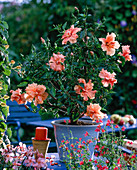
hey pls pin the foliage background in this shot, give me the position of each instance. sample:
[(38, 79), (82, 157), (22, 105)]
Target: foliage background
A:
[(28, 22)]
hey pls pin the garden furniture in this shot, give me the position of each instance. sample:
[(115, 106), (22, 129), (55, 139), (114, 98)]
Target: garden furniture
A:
[(47, 123), (20, 115), (61, 165)]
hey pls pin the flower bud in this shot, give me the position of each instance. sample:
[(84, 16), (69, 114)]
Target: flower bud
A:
[(42, 40), (12, 62), (3, 104), (76, 8), (92, 53), (6, 97), (18, 67), (87, 37), (6, 46)]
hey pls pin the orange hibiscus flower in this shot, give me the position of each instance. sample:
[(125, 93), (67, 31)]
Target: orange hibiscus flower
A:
[(125, 52), (56, 62), (86, 91), (70, 35), (94, 112), (109, 44), (108, 78), (36, 92), (17, 96)]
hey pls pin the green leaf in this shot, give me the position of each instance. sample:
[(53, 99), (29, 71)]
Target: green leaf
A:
[(23, 84), (9, 132), (82, 34), (64, 25), (81, 103), (5, 24), (53, 91), (7, 72), (117, 68), (119, 16), (5, 110), (3, 127), (134, 73), (128, 13)]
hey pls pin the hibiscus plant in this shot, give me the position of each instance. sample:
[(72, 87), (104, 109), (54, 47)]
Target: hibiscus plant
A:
[(75, 75)]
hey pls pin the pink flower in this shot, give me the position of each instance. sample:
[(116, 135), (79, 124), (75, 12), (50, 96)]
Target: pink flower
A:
[(57, 62), (86, 134), (96, 161), (103, 130), (107, 161), (97, 130), (78, 151), (108, 78), (80, 139), (123, 128), (125, 52), (17, 96), (37, 92), (86, 91), (42, 40), (72, 145), (116, 126), (124, 154), (116, 168), (133, 156), (108, 123), (81, 163), (97, 147), (94, 111), (109, 44), (129, 142), (70, 35)]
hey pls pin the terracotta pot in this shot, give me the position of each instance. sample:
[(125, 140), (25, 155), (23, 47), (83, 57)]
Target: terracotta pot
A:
[(77, 131), (41, 145)]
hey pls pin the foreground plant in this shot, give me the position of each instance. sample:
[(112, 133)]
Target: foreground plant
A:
[(108, 153), (77, 78), (21, 157)]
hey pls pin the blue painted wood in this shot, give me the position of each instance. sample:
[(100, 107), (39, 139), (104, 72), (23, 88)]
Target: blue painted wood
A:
[(18, 115), (60, 166)]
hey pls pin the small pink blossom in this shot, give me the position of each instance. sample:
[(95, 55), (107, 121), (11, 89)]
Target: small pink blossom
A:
[(86, 134), (108, 78), (56, 62), (70, 35), (116, 126), (94, 111), (124, 154), (36, 92), (125, 52), (86, 91), (123, 128), (103, 130), (81, 163), (109, 44), (42, 40), (17, 96)]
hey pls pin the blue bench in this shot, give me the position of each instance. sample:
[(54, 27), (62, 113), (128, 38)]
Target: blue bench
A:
[(19, 115)]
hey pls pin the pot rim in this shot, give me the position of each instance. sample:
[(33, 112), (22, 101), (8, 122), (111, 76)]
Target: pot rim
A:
[(57, 123)]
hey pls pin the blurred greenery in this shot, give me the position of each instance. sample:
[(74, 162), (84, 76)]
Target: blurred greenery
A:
[(28, 22)]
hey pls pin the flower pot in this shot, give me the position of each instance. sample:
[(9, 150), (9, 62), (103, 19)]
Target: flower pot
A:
[(41, 145), (77, 131)]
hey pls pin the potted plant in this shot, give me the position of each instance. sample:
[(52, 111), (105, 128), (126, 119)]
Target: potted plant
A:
[(74, 76)]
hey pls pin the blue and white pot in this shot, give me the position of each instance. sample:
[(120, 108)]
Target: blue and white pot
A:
[(76, 131)]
